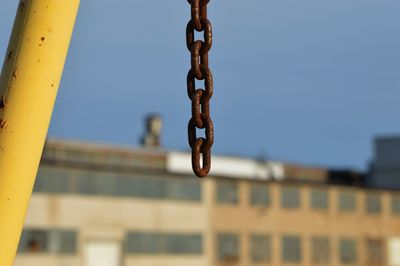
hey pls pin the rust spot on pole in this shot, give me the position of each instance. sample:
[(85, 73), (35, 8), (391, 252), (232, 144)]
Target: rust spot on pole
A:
[(21, 7), (16, 73), (3, 123), (9, 56), (3, 103)]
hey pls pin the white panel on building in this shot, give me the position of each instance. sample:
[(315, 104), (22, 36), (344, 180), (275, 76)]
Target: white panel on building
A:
[(179, 162), (102, 253), (394, 251)]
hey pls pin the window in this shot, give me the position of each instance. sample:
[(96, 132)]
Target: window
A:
[(34, 241), (150, 187), (373, 203), (228, 247), (290, 197), (396, 204), (183, 244), (260, 248), (52, 180), (375, 252), (227, 192), (348, 251), (144, 243), (162, 243), (319, 199), (320, 250), (183, 189), (48, 241), (291, 249), (96, 183), (347, 201), (63, 241), (259, 195), (64, 180)]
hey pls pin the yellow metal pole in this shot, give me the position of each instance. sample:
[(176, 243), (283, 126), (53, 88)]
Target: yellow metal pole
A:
[(28, 87)]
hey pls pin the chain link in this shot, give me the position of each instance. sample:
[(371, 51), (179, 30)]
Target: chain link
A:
[(201, 147)]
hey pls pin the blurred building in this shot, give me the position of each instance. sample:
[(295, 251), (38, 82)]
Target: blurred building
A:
[(385, 167), (103, 205)]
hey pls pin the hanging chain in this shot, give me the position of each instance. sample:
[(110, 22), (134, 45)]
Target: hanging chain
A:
[(201, 147)]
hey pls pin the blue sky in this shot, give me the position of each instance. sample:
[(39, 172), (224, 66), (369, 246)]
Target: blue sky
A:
[(307, 81)]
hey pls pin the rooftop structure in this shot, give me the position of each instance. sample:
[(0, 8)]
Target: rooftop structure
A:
[(385, 167)]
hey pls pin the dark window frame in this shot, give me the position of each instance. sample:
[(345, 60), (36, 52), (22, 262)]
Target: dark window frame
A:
[(320, 250), (260, 248), (373, 203), (228, 247), (376, 251), (348, 252), (110, 184), (319, 199), (291, 249), (290, 197), (48, 241), (395, 204), (347, 201), (259, 195), (227, 192), (158, 243)]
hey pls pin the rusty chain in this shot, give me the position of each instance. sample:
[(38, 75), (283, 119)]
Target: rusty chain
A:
[(201, 147)]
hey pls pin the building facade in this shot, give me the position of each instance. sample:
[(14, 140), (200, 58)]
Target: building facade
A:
[(102, 205)]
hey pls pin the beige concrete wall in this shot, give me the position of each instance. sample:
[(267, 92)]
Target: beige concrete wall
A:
[(73, 211), (165, 261), (107, 218), (51, 260), (46, 260)]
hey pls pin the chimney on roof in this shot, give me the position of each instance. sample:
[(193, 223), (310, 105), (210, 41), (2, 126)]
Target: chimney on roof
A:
[(152, 136)]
